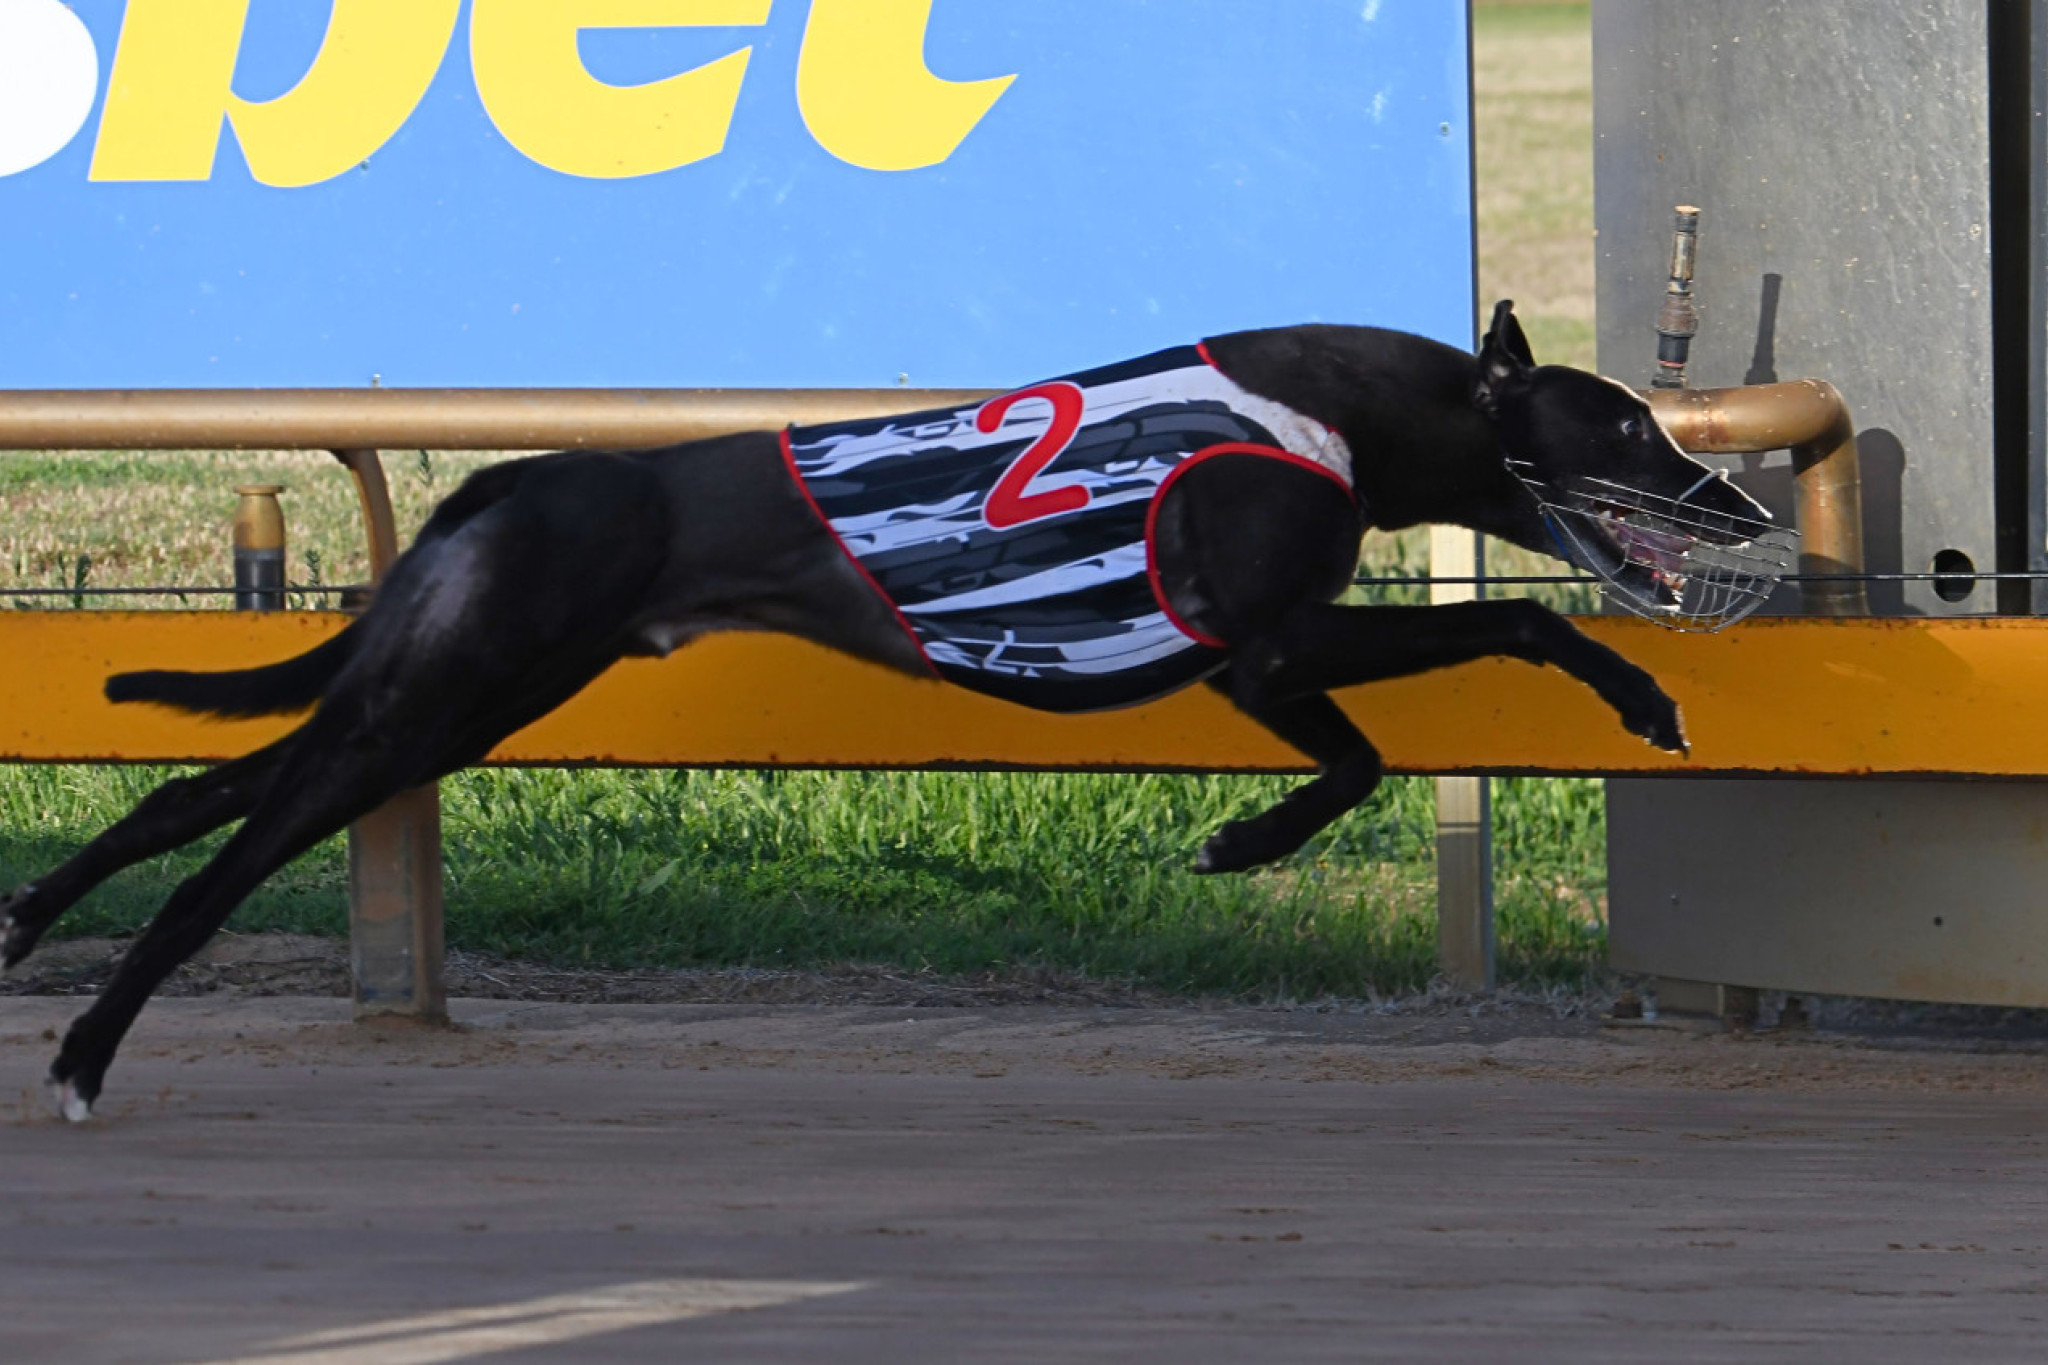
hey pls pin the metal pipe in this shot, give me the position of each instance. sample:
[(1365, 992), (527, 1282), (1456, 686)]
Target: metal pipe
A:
[(380, 526), (432, 419), (1810, 418)]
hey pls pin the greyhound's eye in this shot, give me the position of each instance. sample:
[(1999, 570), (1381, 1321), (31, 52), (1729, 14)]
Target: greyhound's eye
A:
[(1632, 427)]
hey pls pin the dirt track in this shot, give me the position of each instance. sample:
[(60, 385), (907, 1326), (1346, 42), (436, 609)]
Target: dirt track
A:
[(759, 1182)]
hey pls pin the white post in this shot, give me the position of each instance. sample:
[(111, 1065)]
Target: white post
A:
[(1464, 833)]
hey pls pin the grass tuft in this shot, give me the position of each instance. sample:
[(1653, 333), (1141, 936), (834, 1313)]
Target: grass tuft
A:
[(953, 872)]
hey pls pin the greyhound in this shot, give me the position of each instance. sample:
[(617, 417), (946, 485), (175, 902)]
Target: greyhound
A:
[(1237, 520)]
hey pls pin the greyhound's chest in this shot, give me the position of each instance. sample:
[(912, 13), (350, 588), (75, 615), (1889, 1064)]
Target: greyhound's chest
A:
[(1014, 539)]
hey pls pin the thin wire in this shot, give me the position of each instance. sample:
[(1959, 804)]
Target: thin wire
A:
[(1362, 581), (2034, 576)]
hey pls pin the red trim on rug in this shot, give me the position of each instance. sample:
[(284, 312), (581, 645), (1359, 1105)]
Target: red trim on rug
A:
[(1159, 496), (789, 463)]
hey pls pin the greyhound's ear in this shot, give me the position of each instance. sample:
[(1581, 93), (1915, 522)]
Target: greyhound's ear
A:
[(1504, 359), (1507, 329)]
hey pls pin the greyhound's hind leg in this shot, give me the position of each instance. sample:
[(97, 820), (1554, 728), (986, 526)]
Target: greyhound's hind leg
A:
[(323, 782), (493, 624), (1349, 773), (341, 765), (176, 813)]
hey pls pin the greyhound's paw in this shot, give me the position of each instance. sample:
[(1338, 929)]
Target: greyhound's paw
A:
[(74, 1086), (1650, 714), (72, 1104), (17, 937), (1666, 728), (1240, 846)]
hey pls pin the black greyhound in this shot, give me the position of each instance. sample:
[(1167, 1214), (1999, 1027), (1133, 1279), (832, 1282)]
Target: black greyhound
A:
[(537, 574)]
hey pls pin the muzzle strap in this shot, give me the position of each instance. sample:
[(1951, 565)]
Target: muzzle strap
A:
[(1705, 479)]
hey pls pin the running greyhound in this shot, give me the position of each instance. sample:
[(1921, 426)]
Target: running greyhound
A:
[(1092, 542)]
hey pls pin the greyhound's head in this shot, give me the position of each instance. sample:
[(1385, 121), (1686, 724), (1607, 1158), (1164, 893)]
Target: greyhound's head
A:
[(1619, 497)]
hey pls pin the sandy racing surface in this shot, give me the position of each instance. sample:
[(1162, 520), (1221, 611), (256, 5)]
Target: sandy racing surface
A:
[(1035, 1182)]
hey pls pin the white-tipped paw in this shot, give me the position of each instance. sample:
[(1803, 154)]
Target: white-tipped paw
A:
[(65, 1099)]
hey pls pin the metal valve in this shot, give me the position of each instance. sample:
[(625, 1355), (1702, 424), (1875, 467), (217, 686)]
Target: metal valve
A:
[(1678, 322)]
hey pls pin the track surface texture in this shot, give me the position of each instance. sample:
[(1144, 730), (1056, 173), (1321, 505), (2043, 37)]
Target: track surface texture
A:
[(588, 1182)]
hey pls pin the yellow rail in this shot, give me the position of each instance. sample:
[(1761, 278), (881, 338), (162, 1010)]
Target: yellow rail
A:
[(1839, 696)]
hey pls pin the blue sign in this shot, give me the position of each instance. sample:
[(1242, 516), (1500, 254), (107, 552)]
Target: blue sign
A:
[(246, 193)]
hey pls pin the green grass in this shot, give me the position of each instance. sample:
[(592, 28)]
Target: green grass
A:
[(953, 872)]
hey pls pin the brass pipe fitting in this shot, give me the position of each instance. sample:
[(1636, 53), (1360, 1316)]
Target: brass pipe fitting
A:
[(1810, 418), (259, 548)]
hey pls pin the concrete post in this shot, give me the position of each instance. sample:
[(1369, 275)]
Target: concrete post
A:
[(394, 908), (394, 853), (1464, 833)]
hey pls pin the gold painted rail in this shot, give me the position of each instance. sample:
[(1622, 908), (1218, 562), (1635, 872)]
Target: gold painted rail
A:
[(431, 419)]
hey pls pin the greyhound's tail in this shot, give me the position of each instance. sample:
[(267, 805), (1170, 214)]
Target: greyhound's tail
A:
[(273, 689)]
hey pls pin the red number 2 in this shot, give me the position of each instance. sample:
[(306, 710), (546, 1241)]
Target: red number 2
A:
[(1008, 504)]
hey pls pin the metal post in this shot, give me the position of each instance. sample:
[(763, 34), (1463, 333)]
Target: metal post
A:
[(1464, 833), (394, 853)]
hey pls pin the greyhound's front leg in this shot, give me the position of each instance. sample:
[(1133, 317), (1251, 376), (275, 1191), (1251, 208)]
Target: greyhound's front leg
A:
[(1349, 771), (1316, 647)]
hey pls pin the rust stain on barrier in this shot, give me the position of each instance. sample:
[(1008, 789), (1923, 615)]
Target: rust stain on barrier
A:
[(1833, 697)]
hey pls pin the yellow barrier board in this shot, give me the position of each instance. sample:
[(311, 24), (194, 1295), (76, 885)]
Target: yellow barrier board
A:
[(1837, 697)]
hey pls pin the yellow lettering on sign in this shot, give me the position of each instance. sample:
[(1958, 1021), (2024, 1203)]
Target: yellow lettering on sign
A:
[(173, 83), (169, 90), (537, 91), (867, 95)]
